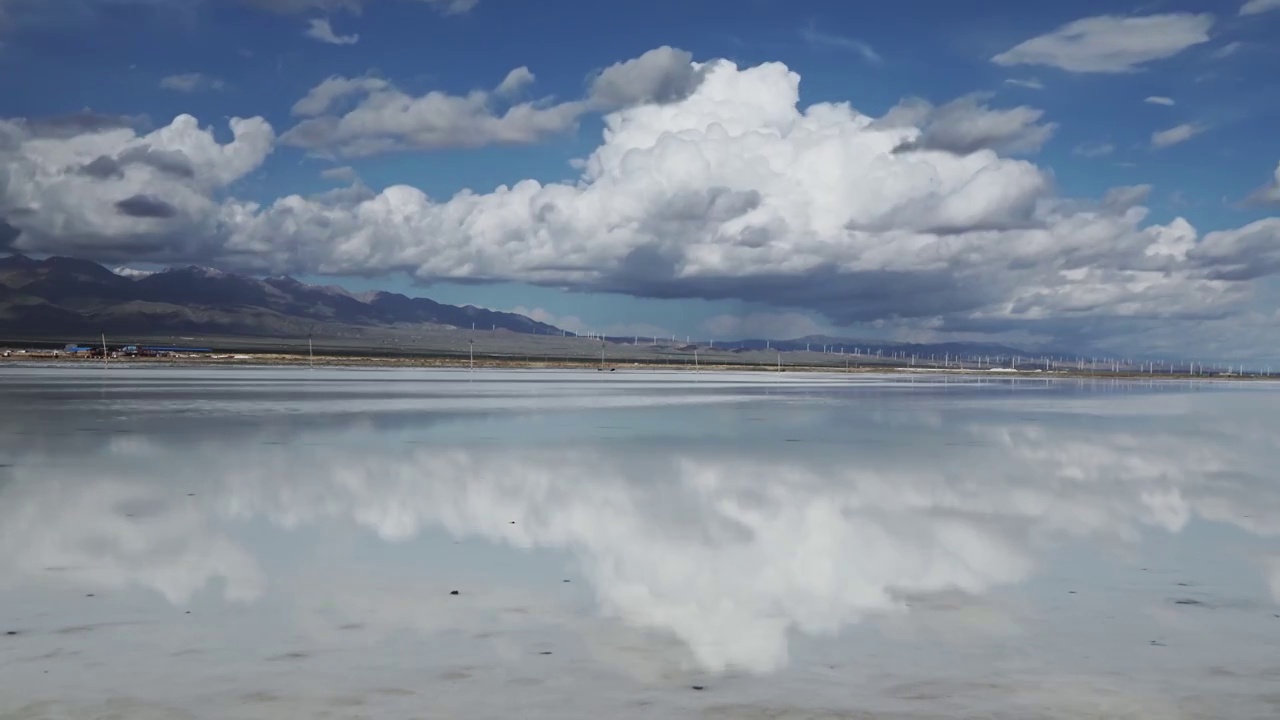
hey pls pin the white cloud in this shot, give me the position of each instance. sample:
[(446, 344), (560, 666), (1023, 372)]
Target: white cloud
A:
[(1175, 135), (1244, 253), (515, 81), (345, 174), (320, 29), (1124, 197), (1094, 150), (1159, 100), (96, 187), (324, 97), (1268, 194), (1110, 43), (816, 38), (191, 82), (1030, 83), (1257, 7), (734, 192)]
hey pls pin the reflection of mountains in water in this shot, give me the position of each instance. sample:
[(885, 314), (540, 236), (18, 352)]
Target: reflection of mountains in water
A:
[(728, 551)]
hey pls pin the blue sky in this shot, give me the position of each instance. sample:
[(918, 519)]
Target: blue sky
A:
[(152, 60)]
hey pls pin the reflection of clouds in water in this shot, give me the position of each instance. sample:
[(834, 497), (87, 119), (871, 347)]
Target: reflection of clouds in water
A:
[(114, 532), (732, 553), (729, 553), (1272, 566), (1092, 480)]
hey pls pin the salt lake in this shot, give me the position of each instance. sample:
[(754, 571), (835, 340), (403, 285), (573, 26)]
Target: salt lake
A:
[(267, 543)]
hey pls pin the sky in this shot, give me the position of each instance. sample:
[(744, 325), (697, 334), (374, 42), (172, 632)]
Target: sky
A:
[(1094, 175)]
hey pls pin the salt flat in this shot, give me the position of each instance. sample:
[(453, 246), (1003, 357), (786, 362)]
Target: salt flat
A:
[(265, 543)]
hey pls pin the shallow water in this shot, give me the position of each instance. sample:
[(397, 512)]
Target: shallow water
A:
[(241, 543)]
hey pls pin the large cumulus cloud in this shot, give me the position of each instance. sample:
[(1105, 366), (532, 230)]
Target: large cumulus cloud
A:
[(711, 181), (736, 192)]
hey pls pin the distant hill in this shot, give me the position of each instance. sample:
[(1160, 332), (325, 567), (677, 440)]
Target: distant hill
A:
[(886, 347), (865, 348), (61, 296)]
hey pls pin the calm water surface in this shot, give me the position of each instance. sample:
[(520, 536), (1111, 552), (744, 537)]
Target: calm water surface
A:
[(237, 543)]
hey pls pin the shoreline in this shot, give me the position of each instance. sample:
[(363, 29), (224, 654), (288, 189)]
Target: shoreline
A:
[(492, 363)]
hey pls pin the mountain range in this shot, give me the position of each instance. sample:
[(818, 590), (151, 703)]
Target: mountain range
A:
[(61, 296), (67, 298)]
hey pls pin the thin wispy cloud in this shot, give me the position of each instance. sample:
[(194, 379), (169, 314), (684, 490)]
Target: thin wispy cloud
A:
[(191, 83), (816, 38), (1257, 7), (320, 29), (1159, 100), (1094, 150), (345, 174), (1030, 83), (1176, 135), (1268, 194), (1227, 50), (354, 7)]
